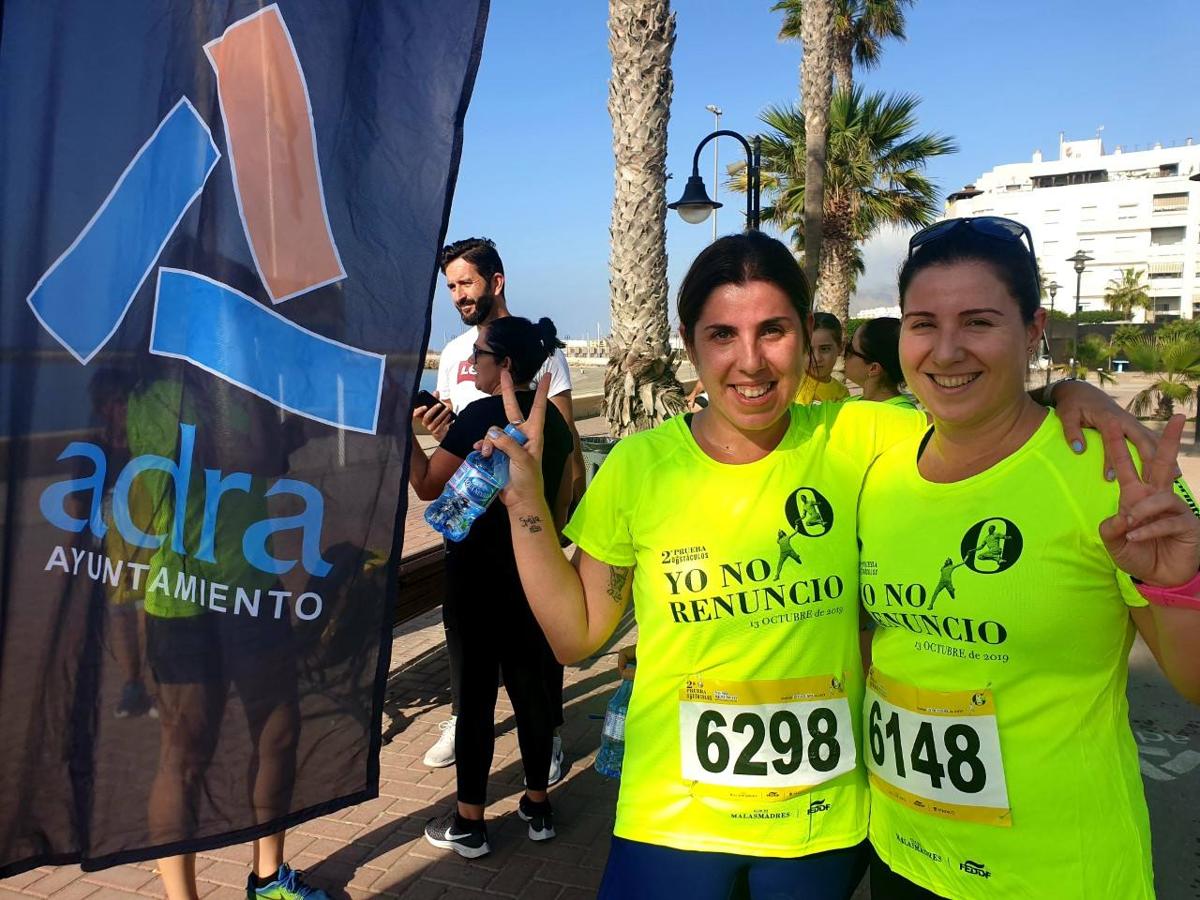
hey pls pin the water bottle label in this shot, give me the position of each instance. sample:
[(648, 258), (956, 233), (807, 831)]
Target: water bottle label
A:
[(474, 485), (614, 726)]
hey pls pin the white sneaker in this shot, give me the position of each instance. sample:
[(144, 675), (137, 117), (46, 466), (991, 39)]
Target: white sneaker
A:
[(556, 761), (441, 754)]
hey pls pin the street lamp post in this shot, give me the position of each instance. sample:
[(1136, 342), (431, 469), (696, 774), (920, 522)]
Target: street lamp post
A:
[(695, 206), (1080, 261), (1051, 289), (716, 111)]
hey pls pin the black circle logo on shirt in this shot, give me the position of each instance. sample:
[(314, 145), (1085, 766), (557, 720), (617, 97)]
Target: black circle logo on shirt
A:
[(808, 512), (991, 545)]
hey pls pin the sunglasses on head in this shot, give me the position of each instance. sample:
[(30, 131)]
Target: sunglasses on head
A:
[(996, 227)]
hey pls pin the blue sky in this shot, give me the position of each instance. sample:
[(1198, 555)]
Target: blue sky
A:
[(1002, 78)]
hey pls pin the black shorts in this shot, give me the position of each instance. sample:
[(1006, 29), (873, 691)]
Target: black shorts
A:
[(219, 647)]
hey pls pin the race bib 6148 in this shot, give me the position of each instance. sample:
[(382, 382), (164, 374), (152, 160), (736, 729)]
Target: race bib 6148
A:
[(935, 751)]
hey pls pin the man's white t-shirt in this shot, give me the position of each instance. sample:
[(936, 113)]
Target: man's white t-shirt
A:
[(456, 374)]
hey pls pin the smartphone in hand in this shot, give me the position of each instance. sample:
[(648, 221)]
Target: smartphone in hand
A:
[(424, 398)]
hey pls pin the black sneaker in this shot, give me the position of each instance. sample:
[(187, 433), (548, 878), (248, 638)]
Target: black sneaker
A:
[(465, 837), (539, 816)]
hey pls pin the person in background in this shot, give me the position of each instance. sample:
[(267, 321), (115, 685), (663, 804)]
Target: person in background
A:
[(818, 384), (485, 604), (1001, 758), (873, 362), (475, 278)]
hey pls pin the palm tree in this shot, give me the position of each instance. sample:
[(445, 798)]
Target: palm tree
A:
[(875, 177), (1091, 357), (816, 88), (1127, 293), (859, 29), (640, 389), (1174, 364)]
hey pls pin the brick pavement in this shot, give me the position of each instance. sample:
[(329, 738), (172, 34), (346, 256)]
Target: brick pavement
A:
[(376, 848)]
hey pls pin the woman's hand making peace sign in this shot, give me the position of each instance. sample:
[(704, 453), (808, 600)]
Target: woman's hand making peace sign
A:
[(1154, 536), (524, 486)]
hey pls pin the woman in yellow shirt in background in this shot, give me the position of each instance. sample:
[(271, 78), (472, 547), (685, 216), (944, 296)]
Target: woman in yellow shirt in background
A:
[(819, 385)]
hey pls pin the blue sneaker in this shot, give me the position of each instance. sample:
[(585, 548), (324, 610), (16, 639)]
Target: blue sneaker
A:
[(288, 885)]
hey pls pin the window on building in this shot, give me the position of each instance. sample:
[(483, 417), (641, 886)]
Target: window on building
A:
[(1127, 211), (1166, 305), (1170, 170), (1064, 179), (1170, 202), (1012, 187), (1161, 237)]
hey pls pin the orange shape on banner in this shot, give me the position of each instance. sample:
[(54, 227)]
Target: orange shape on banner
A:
[(272, 146)]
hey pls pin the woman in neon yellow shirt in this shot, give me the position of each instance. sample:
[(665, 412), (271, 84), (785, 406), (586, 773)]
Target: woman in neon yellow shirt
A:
[(818, 384), (873, 362), (741, 755), (1001, 760)]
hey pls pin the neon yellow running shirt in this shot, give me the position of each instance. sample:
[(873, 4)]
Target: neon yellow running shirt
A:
[(740, 735), (812, 391), (1002, 764)]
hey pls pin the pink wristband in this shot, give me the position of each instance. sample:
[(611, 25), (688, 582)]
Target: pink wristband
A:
[(1186, 595)]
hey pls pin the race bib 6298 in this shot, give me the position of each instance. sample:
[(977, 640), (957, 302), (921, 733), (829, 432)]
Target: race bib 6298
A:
[(764, 740)]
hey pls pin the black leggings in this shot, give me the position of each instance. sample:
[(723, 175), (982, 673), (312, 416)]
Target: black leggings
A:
[(454, 650), (498, 634)]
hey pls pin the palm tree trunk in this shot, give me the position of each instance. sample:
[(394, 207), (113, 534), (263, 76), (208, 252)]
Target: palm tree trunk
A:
[(816, 88), (843, 63), (837, 274), (640, 388)]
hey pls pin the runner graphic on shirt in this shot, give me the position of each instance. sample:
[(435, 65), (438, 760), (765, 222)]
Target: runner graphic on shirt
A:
[(786, 551), (990, 546), (946, 581)]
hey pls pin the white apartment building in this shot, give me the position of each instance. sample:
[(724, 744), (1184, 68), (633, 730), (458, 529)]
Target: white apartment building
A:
[(1136, 209)]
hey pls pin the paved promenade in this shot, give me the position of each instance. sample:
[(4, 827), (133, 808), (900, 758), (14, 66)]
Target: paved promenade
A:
[(376, 848)]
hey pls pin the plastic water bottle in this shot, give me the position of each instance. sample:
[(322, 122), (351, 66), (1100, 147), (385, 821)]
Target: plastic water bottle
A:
[(612, 738), (471, 490)]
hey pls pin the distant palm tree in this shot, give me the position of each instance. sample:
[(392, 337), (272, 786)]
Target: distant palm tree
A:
[(1174, 364), (875, 177), (1091, 358), (640, 389), (1127, 293), (859, 29)]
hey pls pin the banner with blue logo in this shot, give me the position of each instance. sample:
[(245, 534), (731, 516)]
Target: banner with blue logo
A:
[(219, 230)]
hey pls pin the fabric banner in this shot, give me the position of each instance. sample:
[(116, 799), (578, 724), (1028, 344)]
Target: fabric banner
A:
[(219, 231)]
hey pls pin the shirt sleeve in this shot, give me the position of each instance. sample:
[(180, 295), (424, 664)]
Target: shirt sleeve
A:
[(469, 426), (445, 366), (560, 373), (601, 523), (894, 424)]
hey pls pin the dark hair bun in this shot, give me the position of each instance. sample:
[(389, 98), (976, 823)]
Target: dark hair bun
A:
[(549, 335)]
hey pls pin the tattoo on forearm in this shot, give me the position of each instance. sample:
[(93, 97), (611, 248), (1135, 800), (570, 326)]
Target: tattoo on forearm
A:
[(532, 524), (618, 577)]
